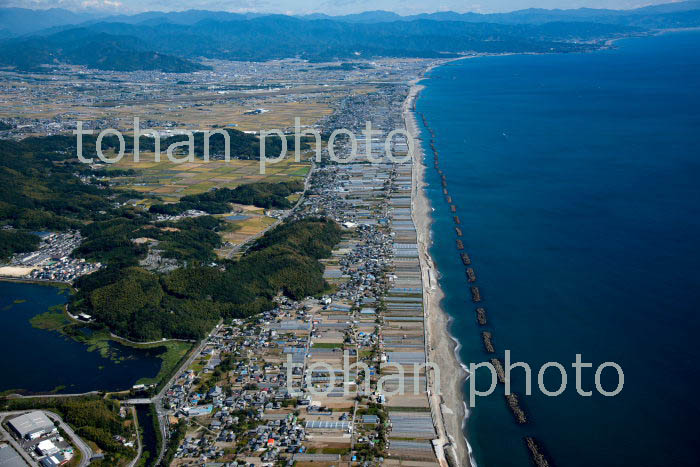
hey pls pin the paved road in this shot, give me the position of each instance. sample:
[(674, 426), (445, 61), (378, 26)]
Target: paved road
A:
[(141, 401), (79, 443), (160, 341), (158, 399), (84, 449), (46, 396), (138, 439)]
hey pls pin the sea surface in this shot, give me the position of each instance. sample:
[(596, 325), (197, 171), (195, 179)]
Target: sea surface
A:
[(41, 361), (577, 181)]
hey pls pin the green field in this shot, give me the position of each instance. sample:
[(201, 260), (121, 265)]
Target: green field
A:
[(171, 181)]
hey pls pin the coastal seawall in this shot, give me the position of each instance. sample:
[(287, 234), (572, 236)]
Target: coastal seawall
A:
[(448, 408), (512, 401)]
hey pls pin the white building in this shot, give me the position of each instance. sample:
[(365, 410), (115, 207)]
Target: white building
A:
[(46, 448), (32, 425)]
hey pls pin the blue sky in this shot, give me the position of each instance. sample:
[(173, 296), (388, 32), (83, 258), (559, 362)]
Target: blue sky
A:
[(323, 6)]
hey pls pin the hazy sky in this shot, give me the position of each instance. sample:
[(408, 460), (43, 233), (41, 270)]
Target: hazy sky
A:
[(323, 6)]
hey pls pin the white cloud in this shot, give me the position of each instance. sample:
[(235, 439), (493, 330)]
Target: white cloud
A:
[(101, 4)]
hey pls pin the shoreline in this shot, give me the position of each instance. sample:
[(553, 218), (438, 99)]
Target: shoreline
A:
[(27, 280), (171, 348), (448, 408)]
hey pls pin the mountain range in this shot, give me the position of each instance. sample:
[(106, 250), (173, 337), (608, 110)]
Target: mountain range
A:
[(177, 41)]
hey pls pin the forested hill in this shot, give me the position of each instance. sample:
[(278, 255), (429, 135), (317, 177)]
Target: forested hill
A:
[(176, 42), (41, 189), (187, 302), (92, 49), (44, 187), (172, 48), (261, 194)]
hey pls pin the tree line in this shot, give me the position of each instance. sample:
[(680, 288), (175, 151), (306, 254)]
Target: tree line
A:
[(39, 190), (92, 417), (261, 194), (187, 302)]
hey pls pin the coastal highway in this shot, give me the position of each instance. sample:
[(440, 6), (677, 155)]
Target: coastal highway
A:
[(85, 451), (418, 214)]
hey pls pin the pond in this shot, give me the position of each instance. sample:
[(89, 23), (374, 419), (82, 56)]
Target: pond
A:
[(40, 361)]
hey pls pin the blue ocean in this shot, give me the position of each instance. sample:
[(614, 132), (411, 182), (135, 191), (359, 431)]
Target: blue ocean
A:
[(577, 181)]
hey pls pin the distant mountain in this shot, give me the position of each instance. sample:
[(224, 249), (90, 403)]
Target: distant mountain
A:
[(377, 16), (187, 17), (23, 21), (658, 15), (672, 7), (527, 16), (175, 41), (273, 37), (95, 50), (18, 21)]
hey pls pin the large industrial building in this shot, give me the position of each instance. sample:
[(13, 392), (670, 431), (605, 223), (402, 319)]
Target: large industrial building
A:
[(32, 425), (10, 458)]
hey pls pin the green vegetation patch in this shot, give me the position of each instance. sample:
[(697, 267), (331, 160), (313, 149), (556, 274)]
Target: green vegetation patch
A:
[(39, 189), (186, 303), (327, 345), (16, 241), (53, 320), (175, 352), (408, 409), (93, 418), (175, 440), (260, 194)]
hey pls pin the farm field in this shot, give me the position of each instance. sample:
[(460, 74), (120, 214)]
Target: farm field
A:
[(170, 181)]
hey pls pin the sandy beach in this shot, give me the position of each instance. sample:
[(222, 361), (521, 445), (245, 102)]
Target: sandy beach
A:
[(15, 271), (448, 407)]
